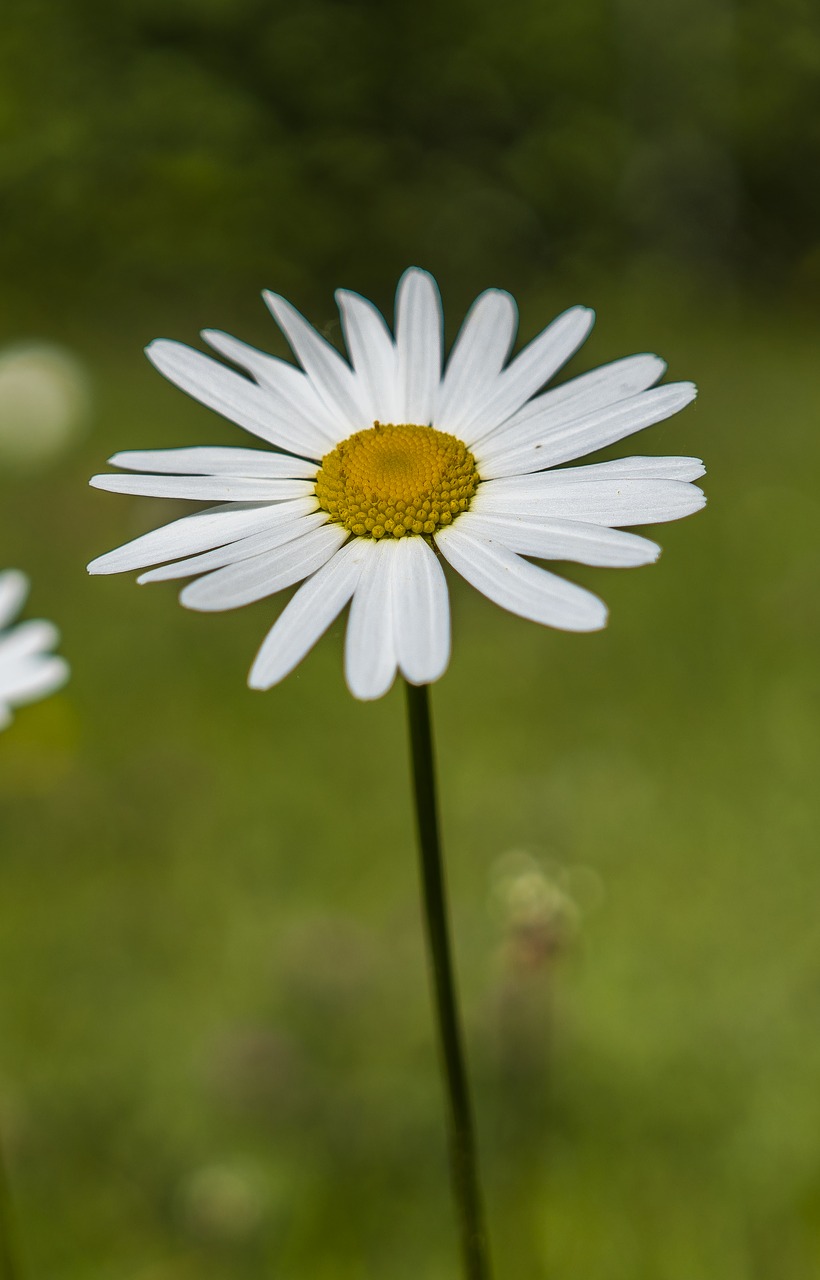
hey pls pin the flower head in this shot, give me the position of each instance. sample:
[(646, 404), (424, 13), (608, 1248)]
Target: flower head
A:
[(379, 464), (28, 670)]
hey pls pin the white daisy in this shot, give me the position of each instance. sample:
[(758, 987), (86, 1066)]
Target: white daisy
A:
[(380, 463), (28, 670)]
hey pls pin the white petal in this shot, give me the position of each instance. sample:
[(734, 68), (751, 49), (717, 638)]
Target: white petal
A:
[(529, 371), (235, 397), (373, 354), (206, 488), (300, 402), (27, 681), (216, 461), (610, 502), (421, 612), (636, 468), (606, 385), (476, 360), (262, 575), (13, 592), (308, 615), (535, 446), (276, 535), (370, 647), (27, 639), (190, 534), (419, 338), (331, 376), (550, 539), (519, 586)]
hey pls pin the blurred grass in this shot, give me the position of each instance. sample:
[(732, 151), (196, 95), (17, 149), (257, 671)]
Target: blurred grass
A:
[(217, 1054)]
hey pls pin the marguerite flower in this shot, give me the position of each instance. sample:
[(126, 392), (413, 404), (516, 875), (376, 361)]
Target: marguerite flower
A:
[(28, 670), (379, 464)]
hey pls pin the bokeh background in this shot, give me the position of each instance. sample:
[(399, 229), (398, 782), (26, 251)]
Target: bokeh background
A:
[(216, 1048)]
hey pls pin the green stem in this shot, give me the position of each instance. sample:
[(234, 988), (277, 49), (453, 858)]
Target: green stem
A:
[(9, 1268), (463, 1157)]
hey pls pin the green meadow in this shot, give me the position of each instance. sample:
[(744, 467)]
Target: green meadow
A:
[(217, 1045)]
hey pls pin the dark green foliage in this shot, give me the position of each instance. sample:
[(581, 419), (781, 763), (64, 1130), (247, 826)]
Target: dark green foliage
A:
[(213, 147)]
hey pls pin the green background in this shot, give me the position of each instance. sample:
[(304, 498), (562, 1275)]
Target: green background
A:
[(216, 1048)]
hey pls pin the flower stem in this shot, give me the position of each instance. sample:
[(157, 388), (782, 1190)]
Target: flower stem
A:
[(463, 1157), (9, 1268)]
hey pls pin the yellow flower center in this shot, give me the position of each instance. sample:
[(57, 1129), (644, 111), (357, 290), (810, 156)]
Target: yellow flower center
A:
[(395, 480)]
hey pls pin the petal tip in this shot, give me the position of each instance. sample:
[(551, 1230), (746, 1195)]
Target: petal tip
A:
[(410, 272), (368, 695), (196, 606), (581, 312), (155, 346), (422, 276), (273, 301)]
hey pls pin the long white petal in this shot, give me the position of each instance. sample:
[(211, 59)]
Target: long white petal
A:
[(370, 646), (13, 591), (606, 385), (519, 586), (419, 338), (262, 575), (421, 612), (372, 353), (216, 461), (535, 446), (308, 615), (550, 539), (330, 375), (27, 639), (300, 402), (27, 681), (235, 397), (635, 468), (476, 360), (190, 534), (270, 538), (610, 502), (206, 488), (529, 371)]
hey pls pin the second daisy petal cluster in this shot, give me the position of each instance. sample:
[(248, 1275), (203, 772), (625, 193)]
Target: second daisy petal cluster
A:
[(28, 668), (375, 465)]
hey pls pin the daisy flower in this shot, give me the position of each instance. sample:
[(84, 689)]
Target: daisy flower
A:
[(381, 465), (28, 670)]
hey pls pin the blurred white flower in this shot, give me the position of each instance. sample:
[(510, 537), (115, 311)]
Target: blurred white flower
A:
[(380, 463), (44, 403), (28, 670)]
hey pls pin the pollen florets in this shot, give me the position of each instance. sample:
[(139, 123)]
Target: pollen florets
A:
[(397, 479)]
